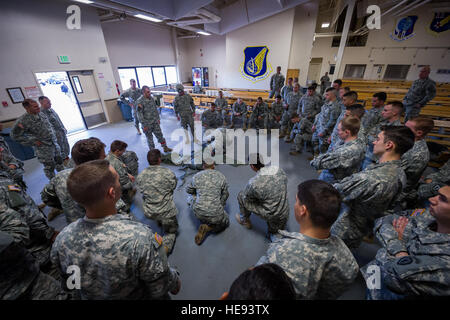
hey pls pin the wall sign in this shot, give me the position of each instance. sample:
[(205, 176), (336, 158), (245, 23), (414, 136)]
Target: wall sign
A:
[(255, 66), (440, 23), (404, 28)]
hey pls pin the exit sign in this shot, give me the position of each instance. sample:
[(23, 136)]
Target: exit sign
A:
[(63, 59)]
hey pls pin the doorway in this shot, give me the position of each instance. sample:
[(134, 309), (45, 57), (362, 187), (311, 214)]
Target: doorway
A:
[(314, 71), (56, 86)]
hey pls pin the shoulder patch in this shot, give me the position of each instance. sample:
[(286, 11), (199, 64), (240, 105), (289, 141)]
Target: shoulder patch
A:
[(14, 187), (417, 212), (158, 238)]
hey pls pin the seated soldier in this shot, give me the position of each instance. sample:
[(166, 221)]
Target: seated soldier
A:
[(211, 118), (11, 165), (348, 99), (430, 186), (239, 111), (267, 281), (345, 159), (301, 133), (209, 190), (309, 105), (415, 258), (258, 114), (118, 258), (157, 184), (369, 193), (126, 180), (319, 264), (222, 107), (265, 195), (131, 160), (273, 114)]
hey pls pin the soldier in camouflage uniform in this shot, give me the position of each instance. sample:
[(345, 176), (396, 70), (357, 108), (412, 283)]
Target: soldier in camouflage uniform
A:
[(308, 105), (55, 193), (266, 196), (209, 190), (317, 95), (239, 111), (131, 160), (157, 184), (258, 114), (325, 121), (369, 193), (197, 88), (184, 108), (319, 264), (34, 129), (11, 165), (345, 159), (291, 106), (149, 118), (133, 94), (118, 258), (415, 258), (276, 83), (222, 107), (273, 114), (373, 116), (211, 118), (421, 92), (434, 181), (286, 89), (348, 99), (301, 133), (58, 126)]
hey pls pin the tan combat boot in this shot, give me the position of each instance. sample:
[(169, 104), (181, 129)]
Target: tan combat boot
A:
[(167, 149), (245, 223), (203, 229), (54, 213)]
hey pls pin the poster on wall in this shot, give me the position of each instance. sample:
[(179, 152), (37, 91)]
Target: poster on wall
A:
[(255, 66), (440, 23), (32, 92), (404, 28)]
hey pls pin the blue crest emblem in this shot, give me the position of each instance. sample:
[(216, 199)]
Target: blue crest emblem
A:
[(255, 66), (404, 29), (440, 23)]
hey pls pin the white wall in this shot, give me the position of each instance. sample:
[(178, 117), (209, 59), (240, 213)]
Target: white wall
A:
[(393, 52), (34, 33), (132, 43)]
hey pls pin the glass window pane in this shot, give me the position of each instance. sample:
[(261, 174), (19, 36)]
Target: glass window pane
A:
[(158, 74), (145, 76), (126, 74), (171, 74)]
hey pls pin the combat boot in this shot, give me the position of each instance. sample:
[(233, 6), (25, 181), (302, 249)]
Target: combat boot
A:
[(246, 223), (244, 126), (288, 140), (54, 213), (203, 229), (42, 206), (167, 149), (294, 153), (282, 133)]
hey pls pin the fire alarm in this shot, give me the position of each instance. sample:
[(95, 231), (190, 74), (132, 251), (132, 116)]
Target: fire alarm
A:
[(4, 103)]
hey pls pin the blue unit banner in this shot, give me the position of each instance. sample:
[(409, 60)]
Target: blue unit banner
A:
[(440, 23), (404, 28), (255, 66)]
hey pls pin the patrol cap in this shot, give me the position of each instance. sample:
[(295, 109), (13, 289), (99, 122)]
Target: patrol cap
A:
[(179, 87)]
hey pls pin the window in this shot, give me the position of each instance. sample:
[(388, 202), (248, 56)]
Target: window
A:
[(354, 71), (148, 76), (159, 75), (145, 76), (126, 74), (352, 41), (77, 83), (171, 75), (332, 67), (396, 71)]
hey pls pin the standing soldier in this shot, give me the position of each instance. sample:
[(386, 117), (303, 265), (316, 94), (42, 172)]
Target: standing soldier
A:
[(184, 108), (209, 190), (222, 107), (132, 94), (34, 129), (421, 92), (197, 88), (274, 114), (157, 184), (266, 196), (286, 89), (291, 106), (276, 83), (58, 127), (149, 117), (324, 83), (239, 112)]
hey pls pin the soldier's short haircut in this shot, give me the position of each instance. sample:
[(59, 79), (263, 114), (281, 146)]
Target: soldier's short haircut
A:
[(27, 103), (145, 87), (314, 85), (279, 67), (118, 145), (89, 182), (423, 123), (259, 98), (380, 96), (338, 81), (352, 95), (264, 282), (256, 160), (213, 104), (278, 96), (153, 157), (351, 124), (134, 80), (87, 150), (42, 98), (401, 136), (330, 89), (398, 105), (357, 110), (311, 88), (347, 89), (322, 201), (290, 78)]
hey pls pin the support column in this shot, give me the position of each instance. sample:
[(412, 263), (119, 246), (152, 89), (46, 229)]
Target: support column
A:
[(175, 47), (348, 19)]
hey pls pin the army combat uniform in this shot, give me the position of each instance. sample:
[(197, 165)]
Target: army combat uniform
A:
[(285, 91), (276, 83), (259, 110), (60, 131), (149, 118), (242, 109), (318, 268), (209, 190), (421, 92), (308, 107), (211, 119), (29, 129), (293, 99), (438, 180), (324, 124), (118, 259), (301, 133), (367, 195), (222, 108), (271, 114), (157, 184), (266, 196), (130, 159), (425, 271), (185, 108), (6, 160), (126, 184), (133, 96)]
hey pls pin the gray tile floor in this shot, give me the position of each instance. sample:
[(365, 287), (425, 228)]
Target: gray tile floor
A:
[(207, 270)]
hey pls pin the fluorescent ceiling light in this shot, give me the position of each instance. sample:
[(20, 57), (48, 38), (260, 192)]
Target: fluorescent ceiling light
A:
[(204, 33), (141, 16), (85, 1), (325, 25)]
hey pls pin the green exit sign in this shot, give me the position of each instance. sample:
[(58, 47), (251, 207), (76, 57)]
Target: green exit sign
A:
[(63, 59)]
